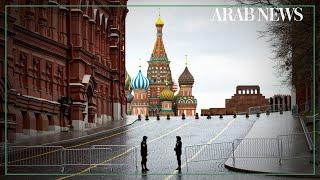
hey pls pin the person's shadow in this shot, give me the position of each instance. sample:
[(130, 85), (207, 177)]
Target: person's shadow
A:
[(178, 176), (144, 176)]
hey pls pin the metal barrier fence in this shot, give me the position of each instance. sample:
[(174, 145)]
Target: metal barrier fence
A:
[(207, 152), (296, 146), (57, 156), (120, 155), (35, 155), (269, 108), (259, 109), (99, 155), (309, 119), (257, 148), (76, 157), (283, 147)]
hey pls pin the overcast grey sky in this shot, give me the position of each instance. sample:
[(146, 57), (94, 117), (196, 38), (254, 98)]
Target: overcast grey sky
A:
[(221, 55)]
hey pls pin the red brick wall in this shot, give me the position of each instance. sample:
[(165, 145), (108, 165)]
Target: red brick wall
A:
[(48, 48)]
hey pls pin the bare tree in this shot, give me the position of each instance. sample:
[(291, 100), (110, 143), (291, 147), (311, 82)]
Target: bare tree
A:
[(292, 45)]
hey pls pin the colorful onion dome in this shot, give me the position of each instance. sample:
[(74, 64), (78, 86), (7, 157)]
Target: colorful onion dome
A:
[(129, 97), (186, 77), (127, 81), (140, 81), (159, 21), (166, 95)]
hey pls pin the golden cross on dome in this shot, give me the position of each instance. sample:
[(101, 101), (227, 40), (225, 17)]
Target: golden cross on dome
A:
[(186, 62)]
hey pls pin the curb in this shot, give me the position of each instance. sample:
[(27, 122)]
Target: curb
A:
[(88, 136), (231, 168), (83, 137), (234, 169)]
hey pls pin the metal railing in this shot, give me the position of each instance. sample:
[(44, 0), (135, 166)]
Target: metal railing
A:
[(208, 152), (76, 157), (304, 121), (41, 155), (259, 109), (33, 156), (269, 108), (257, 148), (297, 143), (57, 156), (306, 134), (284, 147), (120, 155), (310, 119)]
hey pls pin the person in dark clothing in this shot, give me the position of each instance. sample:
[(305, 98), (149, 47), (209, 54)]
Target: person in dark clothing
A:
[(144, 154), (178, 149)]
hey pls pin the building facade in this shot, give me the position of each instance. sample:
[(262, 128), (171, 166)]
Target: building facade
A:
[(185, 102), (246, 96), (160, 92), (159, 72), (65, 66), (280, 102)]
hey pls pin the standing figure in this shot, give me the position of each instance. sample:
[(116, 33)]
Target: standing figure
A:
[(144, 154), (178, 150)]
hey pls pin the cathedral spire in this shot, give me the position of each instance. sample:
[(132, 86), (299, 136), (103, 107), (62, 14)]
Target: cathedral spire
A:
[(159, 53)]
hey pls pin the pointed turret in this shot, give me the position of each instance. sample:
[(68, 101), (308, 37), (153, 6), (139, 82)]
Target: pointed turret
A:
[(159, 73), (185, 101), (186, 77), (159, 52)]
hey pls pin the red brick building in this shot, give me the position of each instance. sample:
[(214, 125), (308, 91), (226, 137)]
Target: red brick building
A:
[(66, 65), (244, 98), (280, 102)]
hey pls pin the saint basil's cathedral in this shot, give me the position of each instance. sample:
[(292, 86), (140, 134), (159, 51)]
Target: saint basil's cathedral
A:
[(155, 94)]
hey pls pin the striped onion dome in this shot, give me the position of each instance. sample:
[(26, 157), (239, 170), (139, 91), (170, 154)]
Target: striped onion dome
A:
[(140, 81), (127, 81), (166, 95)]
